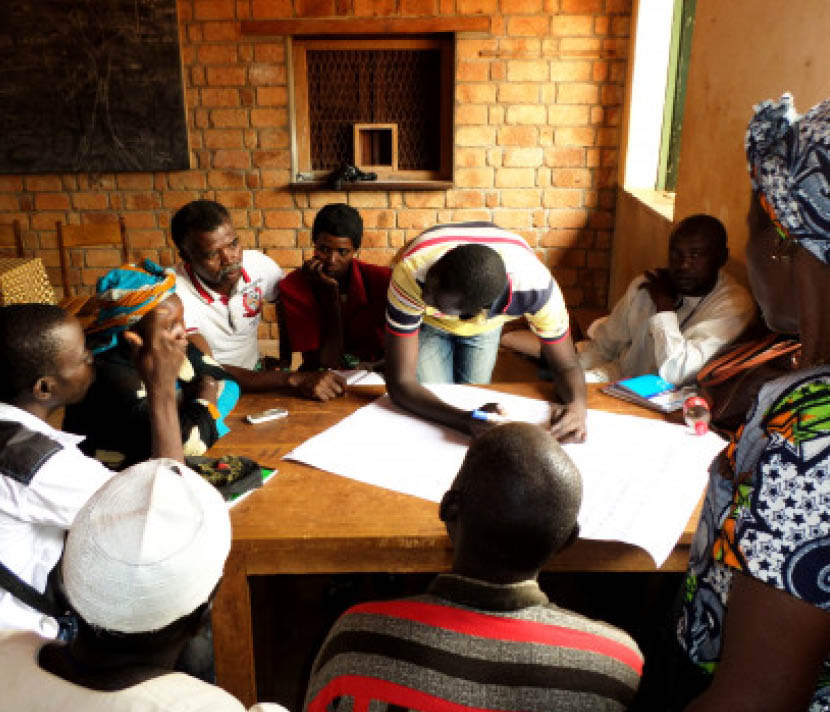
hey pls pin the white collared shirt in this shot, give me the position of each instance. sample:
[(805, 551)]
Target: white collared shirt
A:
[(634, 340), (229, 324), (34, 518)]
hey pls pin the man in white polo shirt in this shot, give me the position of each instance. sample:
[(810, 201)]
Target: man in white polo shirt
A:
[(222, 288)]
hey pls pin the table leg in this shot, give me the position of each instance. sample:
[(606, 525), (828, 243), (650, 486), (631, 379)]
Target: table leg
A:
[(233, 641)]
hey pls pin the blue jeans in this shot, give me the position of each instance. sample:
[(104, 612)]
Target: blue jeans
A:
[(448, 358)]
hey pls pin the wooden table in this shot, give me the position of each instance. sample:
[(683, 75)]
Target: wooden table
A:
[(306, 521)]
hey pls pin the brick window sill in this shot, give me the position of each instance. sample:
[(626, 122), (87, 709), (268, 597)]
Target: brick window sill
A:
[(376, 185)]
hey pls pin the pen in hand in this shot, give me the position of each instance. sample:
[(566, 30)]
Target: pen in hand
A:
[(488, 417)]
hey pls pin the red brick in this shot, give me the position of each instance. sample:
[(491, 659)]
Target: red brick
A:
[(611, 95), (274, 138), (220, 97), (475, 136), (575, 137), (142, 201), (535, 26), (599, 72), (618, 6), (617, 47), (620, 26), (472, 71), (564, 157), (520, 198), (521, 7), (419, 7), (561, 198), (579, 7), (12, 183), (570, 70), (213, 9), (220, 31), (314, 8), (226, 76), (577, 93), (138, 220), (217, 54), (267, 74), (277, 238), (51, 201), (374, 8), (519, 93), (579, 46), (231, 160), (526, 114), (234, 198), (527, 70), (523, 157), (282, 219), (223, 138), (287, 258), (103, 258), (9, 203), (186, 180), (49, 182), (495, 115), (174, 199), (271, 9), (608, 137), (272, 159), (515, 178), (571, 178), (273, 178), (470, 115), (568, 115), (416, 219), (272, 96), (572, 25), (426, 199), (90, 201), (517, 136), (475, 93), (229, 118), (268, 117), (478, 7), (374, 218), (269, 53), (469, 216)]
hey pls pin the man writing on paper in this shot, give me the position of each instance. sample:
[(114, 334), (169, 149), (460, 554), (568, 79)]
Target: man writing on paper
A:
[(672, 320), (222, 288), (450, 293)]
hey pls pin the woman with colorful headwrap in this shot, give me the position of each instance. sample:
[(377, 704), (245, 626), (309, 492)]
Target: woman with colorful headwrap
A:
[(754, 623), (114, 415)]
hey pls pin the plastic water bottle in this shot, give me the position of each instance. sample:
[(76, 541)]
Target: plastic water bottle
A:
[(696, 414)]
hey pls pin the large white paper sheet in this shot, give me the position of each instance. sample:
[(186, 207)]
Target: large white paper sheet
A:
[(641, 478)]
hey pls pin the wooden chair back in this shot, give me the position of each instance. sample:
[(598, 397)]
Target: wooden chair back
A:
[(11, 237), (94, 235)]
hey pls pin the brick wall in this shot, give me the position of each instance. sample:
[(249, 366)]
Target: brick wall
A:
[(538, 110)]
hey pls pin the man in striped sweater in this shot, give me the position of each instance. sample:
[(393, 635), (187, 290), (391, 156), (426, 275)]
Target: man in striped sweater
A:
[(451, 291), (485, 636)]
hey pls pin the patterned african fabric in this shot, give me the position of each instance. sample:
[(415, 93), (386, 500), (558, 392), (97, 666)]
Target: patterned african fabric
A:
[(789, 163), (767, 516), (473, 645), (362, 309), (115, 416), (124, 296), (531, 290)]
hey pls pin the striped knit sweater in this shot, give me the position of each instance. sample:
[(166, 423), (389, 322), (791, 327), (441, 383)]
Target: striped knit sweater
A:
[(471, 645)]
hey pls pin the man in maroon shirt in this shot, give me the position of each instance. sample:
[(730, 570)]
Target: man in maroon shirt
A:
[(333, 308)]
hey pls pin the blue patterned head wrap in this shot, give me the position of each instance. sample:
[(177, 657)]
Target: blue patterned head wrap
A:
[(789, 164), (124, 296)]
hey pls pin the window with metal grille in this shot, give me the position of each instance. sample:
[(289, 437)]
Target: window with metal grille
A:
[(406, 83)]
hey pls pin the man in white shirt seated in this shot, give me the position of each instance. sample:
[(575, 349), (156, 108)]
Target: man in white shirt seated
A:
[(671, 321), (44, 477), (143, 561), (223, 288)]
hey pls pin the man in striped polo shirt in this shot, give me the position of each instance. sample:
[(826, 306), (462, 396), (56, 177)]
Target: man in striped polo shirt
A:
[(485, 636), (450, 293)]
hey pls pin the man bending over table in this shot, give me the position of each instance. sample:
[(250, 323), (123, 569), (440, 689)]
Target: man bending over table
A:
[(222, 288), (485, 637), (452, 290)]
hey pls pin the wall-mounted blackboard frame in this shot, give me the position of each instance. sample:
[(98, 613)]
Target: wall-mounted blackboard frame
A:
[(91, 86)]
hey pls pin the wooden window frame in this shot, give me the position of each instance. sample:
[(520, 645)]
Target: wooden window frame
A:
[(304, 176)]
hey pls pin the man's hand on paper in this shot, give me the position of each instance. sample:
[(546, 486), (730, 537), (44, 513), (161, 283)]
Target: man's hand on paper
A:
[(567, 422), (480, 423)]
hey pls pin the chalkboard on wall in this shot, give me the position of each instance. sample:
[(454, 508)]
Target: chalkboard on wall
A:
[(91, 86)]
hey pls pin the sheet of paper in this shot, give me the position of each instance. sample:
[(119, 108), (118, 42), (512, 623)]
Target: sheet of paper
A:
[(361, 377), (641, 478)]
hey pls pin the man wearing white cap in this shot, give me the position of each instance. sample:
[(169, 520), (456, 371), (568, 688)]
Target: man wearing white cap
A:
[(141, 564)]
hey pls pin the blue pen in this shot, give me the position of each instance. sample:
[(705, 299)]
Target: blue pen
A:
[(488, 417)]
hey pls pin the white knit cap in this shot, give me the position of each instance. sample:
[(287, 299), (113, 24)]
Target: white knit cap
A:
[(147, 548)]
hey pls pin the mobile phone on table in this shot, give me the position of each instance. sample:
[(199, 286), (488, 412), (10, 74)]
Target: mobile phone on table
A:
[(266, 415)]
